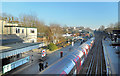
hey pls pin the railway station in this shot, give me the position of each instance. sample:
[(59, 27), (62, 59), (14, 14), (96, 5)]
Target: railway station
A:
[(96, 57), (84, 59), (12, 52), (61, 38)]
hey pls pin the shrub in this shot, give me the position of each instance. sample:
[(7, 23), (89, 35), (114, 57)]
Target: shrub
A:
[(52, 47)]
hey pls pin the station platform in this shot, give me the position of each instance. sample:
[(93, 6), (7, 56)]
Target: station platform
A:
[(12, 51), (112, 59)]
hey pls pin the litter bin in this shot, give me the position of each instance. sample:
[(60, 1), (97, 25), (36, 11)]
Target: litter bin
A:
[(61, 54)]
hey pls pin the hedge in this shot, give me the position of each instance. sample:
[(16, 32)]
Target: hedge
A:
[(52, 47)]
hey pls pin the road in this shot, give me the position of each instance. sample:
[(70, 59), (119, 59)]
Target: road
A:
[(33, 67)]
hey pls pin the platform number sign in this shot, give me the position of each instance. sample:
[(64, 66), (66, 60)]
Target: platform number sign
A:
[(6, 68), (43, 53)]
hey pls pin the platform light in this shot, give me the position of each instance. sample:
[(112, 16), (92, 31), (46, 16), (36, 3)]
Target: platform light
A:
[(115, 34)]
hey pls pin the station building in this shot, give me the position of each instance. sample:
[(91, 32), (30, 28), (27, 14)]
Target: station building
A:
[(15, 41)]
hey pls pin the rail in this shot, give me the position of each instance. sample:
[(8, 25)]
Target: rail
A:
[(95, 65)]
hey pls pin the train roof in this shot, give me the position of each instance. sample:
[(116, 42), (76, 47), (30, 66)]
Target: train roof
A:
[(84, 45), (66, 63)]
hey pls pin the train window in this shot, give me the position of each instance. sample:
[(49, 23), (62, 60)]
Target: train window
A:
[(87, 50), (78, 63), (82, 57), (74, 73)]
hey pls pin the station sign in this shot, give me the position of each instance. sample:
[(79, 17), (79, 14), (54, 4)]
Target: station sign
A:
[(15, 64), (43, 53), (6, 68)]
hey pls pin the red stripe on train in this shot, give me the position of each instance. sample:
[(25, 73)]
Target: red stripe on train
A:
[(63, 73)]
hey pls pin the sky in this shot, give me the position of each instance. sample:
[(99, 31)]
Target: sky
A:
[(87, 14)]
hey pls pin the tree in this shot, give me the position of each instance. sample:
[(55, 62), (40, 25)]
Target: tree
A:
[(29, 20), (81, 28), (101, 28), (88, 29), (52, 47), (56, 31), (111, 27)]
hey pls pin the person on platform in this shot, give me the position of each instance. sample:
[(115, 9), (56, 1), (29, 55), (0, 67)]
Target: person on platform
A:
[(61, 54), (46, 65), (41, 65)]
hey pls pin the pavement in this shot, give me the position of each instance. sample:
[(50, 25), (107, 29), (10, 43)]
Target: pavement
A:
[(33, 68)]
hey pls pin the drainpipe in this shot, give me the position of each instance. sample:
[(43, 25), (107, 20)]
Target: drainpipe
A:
[(10, 30), (26, 31), (26, 34), (2, 33)]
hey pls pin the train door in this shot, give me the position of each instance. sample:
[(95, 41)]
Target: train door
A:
[(86, 51), (83, 53), (91, 44), (73, 72), (79, 65), (82, 60), (88, 48), (77, 60)]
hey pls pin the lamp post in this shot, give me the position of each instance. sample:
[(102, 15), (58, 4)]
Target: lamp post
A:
[(72, 42)]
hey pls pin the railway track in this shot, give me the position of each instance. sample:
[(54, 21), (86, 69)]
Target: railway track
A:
[(95, 63)]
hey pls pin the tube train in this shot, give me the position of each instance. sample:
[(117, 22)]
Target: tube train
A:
[(72, 63)]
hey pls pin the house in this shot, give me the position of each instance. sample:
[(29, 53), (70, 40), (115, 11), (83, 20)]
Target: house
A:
[(28, 34)]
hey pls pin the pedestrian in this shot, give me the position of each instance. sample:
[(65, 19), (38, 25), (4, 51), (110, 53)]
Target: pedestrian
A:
[(46, 65), (41, 65), (61, 54)]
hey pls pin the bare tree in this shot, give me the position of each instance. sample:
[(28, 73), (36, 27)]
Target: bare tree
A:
[(111, 27), (81, 27), (56, 31), (29, 20), (88, 29), (101, 28)]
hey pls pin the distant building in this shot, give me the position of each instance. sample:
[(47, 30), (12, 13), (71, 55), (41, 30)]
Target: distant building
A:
[(74, 28), (65, 35), (28, 34)]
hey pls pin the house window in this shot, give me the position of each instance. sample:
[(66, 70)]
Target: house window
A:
[(22, 30), (32, 31), (18, 30)]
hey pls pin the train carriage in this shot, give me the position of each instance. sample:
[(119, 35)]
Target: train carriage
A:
[(70, 64)]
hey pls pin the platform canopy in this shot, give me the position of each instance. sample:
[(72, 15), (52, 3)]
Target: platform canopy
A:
[(14, 49)]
